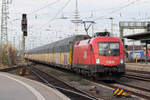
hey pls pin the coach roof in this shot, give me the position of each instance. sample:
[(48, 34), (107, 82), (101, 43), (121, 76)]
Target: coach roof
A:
[(60, 43)]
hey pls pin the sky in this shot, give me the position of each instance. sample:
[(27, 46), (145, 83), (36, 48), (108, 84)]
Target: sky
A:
[(45, 23)]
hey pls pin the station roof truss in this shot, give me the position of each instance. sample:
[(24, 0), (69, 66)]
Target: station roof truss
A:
[(143, 37), (132, 25)]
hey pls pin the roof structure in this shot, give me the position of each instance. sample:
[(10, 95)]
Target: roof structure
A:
[(144, 37)]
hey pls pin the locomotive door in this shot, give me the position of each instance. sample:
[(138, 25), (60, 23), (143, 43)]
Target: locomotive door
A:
[(71, 53), (77, 56)]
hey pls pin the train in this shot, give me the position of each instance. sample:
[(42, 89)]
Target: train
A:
[(100, 57)]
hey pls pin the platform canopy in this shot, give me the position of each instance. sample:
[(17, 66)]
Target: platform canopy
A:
[(143, 37)]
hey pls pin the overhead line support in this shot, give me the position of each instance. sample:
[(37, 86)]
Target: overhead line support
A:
[(4, 33)]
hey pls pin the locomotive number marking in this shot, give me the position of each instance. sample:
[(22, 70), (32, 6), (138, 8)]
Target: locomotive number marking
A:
[(110, 62)]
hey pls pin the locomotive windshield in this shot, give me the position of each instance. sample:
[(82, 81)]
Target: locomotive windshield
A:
[(109, 49)]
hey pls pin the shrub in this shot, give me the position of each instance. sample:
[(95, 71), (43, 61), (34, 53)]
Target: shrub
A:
[(12, 54)]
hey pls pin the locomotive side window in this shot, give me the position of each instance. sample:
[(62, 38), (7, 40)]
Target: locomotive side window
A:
[(109, 49)]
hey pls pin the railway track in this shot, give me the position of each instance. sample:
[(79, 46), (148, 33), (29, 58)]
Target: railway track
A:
[(137, 71), (132, 89), (137, 77), (137, 91), (68, 90)]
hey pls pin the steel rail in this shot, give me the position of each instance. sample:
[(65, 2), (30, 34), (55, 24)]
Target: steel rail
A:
[(114, 87), (137, 77), (137, 71), (127, 90), (80, 93)]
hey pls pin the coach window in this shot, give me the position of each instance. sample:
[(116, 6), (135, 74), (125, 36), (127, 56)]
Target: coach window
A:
[(64, 48), (41, 50), (50, 50), (67, 48), (61, 48), (44, 50), (57, 49), (53, 49)]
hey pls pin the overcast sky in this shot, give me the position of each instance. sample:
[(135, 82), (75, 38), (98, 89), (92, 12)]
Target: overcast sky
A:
[(45, 25)]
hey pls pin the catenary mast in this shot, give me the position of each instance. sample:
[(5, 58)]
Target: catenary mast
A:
[(4, 32), (76, 17)]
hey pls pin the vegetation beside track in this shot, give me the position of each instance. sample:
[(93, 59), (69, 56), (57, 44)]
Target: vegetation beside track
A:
[(2, 66), (12, 55)]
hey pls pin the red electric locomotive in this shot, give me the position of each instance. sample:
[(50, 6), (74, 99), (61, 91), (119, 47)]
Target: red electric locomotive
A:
[(101, 57)]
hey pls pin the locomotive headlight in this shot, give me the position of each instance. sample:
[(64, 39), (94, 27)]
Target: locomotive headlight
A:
[(97, 61), (121, 61)]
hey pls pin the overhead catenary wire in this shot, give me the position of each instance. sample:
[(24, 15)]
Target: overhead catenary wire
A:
[(59, 11), (37, 10), (114, 11), (99, 10), (43, 7)]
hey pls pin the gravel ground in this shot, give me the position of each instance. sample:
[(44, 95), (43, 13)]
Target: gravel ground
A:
[(139, 74), (138, 83), (77, 81)]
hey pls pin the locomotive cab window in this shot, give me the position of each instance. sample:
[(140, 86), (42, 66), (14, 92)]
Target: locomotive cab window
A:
[(109, 49)]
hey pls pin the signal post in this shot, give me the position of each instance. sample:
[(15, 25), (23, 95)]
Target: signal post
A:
[(24, 30)]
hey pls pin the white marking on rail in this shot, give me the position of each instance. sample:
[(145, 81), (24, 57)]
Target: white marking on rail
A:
[(34, 91)]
